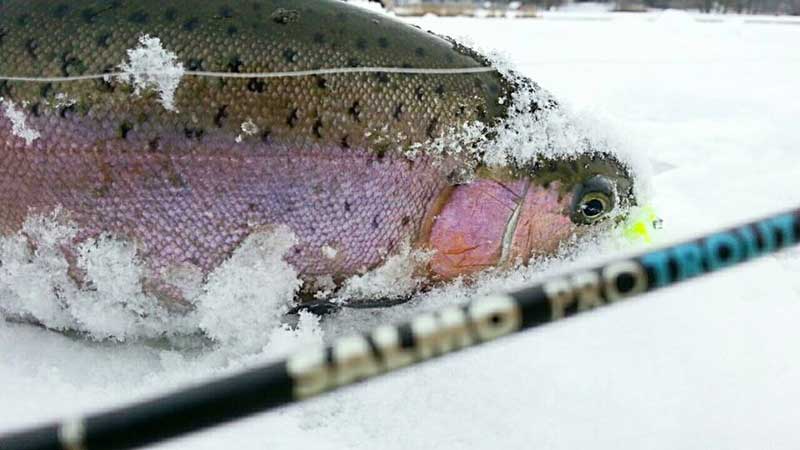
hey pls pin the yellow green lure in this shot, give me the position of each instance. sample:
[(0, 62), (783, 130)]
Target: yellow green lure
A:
[(641, 224)]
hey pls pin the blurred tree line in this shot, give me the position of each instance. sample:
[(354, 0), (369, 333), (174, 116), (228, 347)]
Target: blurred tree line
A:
[(708, 6), (716, 6), (723, 6)]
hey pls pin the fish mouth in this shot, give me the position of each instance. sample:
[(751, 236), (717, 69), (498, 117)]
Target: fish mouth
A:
[(489, 223)]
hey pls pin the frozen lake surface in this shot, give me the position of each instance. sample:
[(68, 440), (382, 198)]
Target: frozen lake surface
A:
[(714, 104)]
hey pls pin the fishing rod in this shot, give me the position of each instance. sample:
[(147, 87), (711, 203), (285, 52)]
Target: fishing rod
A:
[(387, 348)]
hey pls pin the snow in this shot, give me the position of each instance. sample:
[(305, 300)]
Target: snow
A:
[(398, 277), (246, 297), (239, 304), (19, 125), (708, 364), (151, 66)]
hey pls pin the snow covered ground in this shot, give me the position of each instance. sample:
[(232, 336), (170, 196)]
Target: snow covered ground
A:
[(711, 364)]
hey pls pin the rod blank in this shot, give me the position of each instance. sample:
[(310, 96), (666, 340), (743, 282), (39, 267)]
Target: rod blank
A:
[(387, 348)]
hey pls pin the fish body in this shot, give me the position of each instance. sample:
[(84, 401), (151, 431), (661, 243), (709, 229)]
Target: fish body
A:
[(188, 171)]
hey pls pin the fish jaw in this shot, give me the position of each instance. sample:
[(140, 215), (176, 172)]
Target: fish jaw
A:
[(489, 223)]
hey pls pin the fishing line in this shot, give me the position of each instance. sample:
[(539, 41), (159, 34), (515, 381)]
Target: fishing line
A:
[(287, 74)]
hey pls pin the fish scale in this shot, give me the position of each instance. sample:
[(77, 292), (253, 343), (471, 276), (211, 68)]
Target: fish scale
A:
[(322, 35), (325, 154), (196, 203), (177, 182)]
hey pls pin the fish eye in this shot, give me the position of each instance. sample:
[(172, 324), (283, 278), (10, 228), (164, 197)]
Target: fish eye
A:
[(593, 206), (594, 199)]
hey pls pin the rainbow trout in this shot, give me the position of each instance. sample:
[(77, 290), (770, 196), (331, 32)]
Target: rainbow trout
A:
[(156, 121)]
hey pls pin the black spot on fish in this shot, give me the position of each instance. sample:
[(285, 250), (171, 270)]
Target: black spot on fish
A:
[(36, 109), (105, 84), (432, 125), (46, 90), (344, 142), (31, 46), (481, 113), (222, 114), (347, 206), (89, 15), (191, 24), (104, 40), (375, 222), (138, 17), (461, 111), (256, 85), (383, 42), (405, 220), (194, 133), (419, 51), (290, 55), (175, 180), (232, 30), (154, 144), (84, 107), (194, 261), (439, 89), (194, 64), (265, 135), (71, 65), (124, 129), (171, 15), (226, 12), (318, 38), (453, 177), (293, 118), (419, 93), (284, 16), (235, 65), (61, 10), (5, 89), (355, 111), (382, 77), (353, 62), (316, 128), (361, 44), (398, 111), (322, 83), (103, 191), (66, 111), (3, 34)]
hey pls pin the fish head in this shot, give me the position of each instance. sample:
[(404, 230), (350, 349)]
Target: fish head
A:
[(503, 217)]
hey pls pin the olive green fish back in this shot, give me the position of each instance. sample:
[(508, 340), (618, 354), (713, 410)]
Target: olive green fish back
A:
[(378, 111)]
